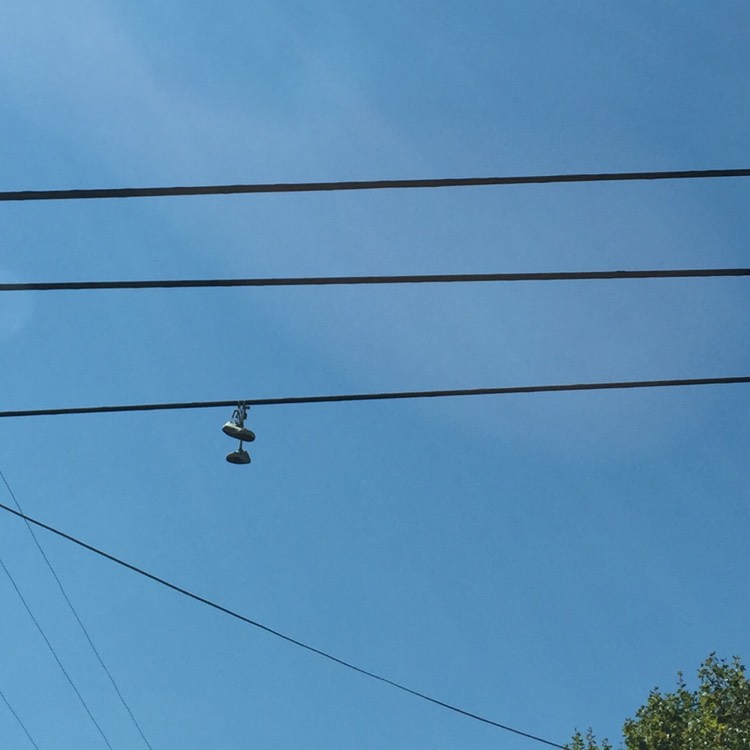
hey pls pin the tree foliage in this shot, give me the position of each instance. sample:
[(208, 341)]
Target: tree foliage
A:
[(715, 716)]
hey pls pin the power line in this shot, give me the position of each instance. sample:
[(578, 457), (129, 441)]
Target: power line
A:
[(52, 650), (312, 187), (276, 633), (679, 273), (390, 396), (18, 719), (75, 614)]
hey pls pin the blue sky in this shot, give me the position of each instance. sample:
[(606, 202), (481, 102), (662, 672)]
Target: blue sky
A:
[(543, 560)]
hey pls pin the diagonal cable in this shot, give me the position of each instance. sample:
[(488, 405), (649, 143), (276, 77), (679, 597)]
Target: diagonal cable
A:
[(18, 719), (276, 633), (54, 653), (75, 614)]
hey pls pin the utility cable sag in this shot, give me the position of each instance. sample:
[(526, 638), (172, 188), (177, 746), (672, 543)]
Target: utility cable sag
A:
[(51, 648), (75, 614), (389, 396), (311, 187), (438, 278), (18, 719), (271, 631)]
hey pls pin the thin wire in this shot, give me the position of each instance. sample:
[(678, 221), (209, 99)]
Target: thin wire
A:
[(311, 187), (75, 613), (18, 719), (52, 650), (390, 396), (681, 273), (271, 631)]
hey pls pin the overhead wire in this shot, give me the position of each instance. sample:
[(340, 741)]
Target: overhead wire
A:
[(273, 632), (54, 653), (76, 615), (386, 396), (677, 273), (18, 719), (142, 192), (310, 187)]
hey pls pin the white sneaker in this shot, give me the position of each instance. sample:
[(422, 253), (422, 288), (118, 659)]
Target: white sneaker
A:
[(239, 433)]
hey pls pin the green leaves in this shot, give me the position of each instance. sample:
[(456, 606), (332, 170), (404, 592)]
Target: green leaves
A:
[(587, 742), (716, 716)]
